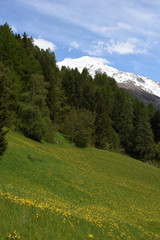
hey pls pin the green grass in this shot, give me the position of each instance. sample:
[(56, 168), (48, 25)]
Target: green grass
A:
[(63, 192)]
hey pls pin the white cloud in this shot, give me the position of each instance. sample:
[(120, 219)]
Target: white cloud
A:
[(121, 26), (96, 49), (44, 44), (131, 46), (95, 52), (74, 45), (14, 29)]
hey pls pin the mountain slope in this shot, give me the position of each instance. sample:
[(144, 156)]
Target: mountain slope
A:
[(146, 86), (63, 192), (139, 93)]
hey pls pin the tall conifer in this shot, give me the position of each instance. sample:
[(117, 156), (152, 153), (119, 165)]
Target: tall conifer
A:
[(3, 109)]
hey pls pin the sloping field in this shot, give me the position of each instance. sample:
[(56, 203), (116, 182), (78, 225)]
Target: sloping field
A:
[(58, 191)]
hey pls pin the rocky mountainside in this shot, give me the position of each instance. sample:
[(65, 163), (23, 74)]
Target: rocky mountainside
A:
[(142, 95), (147, 90)]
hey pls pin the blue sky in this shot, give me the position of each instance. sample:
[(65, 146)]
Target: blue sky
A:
[(124, 32)]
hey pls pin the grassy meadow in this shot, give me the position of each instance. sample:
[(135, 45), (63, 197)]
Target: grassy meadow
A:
[(60, 192)]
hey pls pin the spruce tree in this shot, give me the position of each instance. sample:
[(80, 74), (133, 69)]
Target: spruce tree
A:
[(53, 81), (33, 112), (105, 136), (143, 139), (125, 123), (156, 125), (3, 109)]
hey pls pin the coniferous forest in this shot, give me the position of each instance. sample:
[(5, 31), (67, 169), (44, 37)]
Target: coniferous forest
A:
[(37, 99)]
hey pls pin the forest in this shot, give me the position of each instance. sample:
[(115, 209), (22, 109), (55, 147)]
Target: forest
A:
[(38, 99)]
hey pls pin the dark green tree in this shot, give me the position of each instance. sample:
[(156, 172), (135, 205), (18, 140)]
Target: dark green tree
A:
[(104, 135), (124, 120), (156, 125), (55, 96), (143, 139), (3, 107), (87, 91), (79, 125), (33, 112)]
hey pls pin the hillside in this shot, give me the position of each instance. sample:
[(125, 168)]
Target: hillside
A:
[(58, 191), (37, 97)]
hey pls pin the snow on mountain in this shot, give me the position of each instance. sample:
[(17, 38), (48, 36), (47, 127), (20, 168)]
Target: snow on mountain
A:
[(99, 64)]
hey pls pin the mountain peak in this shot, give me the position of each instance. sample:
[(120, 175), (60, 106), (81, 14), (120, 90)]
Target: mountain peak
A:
[(94, 64)]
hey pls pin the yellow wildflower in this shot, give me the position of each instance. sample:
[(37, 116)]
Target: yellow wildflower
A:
[(37, 215), (90, 236)]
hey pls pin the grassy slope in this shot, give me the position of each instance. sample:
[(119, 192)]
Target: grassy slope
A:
[(70, 193)]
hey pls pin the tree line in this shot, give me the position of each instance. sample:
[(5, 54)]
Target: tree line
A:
[(36, 97)]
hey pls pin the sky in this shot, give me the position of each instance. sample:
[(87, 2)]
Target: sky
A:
[(125, 33)]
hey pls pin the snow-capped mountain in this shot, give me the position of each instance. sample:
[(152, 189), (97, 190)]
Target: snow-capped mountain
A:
[(124, 79)]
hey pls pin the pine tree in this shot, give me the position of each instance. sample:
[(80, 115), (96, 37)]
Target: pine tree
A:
[(105, 136), (156, 125), (3, 109), (3, 116), (53, 82), (125, 123), (87, 91), (143, 139), (33, 112)]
